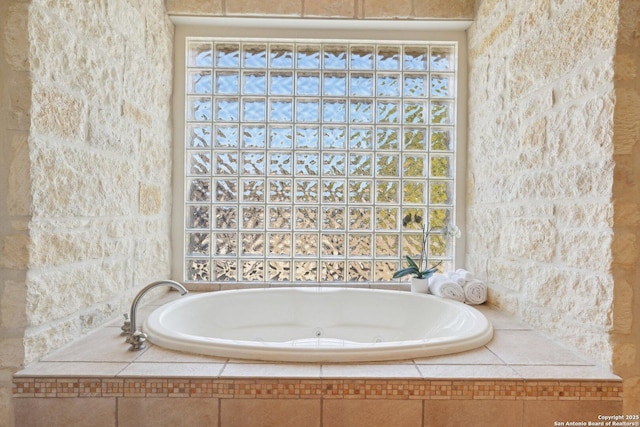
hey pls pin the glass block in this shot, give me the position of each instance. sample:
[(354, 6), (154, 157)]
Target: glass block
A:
[(198, 136), (253, 190), (415, 112), (413, 192), (387, 245), (227, 55), (360, 191), (437, 245), (253, 271), (198, 270), (413, 218), (226, 244), (387, 165), (198, 216), (387, 219), (226, 163), (226, 217), (333, 244), (308, 56), (198, 243), (361, 111), (226, 271), (361, 84), (442, 85), (226, 190), (441, 167), (254, 83), (307, 244), (388, 85), (415, 85), (362, 57), (253, 163), (308, 110), (280, 271), (360, 244), (334, 164), (254, 55), (334, 110), (442, 139), (281, 110), (442, 58), (411, 245), (439, 217), (333, 191), (416, 57), (388, 58), (199, 81), (280, 163), (442, 112), (306, 218), (306, 271), (253, 243), (307, 137), (360, 218), (226, 136), (307, 84), (280, 217), (253, 109), (387, 191), (360, 271), (361, 138), (199, 109), (280, 190), (440, 192), (333, 218), (414, 166), (387, 138), (383, 270), (199, 162), (335, 57), (254, 136), (227, 82), (361, 164), (253, 217), (227, 109), (199, 54), (388, 111), (415, 139), (307, 191), (334, 137), (279, 244), (281, 83), (199, 190), (334, 84), (281, 55), (307, 164), (332, 271), (280, 137)]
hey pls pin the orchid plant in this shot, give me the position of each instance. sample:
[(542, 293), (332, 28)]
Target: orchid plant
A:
[(421, 269)]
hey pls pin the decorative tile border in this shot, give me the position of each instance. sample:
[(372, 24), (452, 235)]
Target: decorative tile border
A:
[(318, 389)]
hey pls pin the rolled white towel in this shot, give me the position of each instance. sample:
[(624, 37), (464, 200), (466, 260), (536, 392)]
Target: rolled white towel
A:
[(466, 275), (446, 288), (475, 292), (456, 278)]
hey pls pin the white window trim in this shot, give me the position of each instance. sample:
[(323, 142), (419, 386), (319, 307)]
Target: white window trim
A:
[(326, 29)]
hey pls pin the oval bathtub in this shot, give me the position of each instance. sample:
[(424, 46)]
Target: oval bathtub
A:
[(319, 324)]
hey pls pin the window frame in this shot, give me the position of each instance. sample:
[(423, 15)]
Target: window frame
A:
[(313, 29)]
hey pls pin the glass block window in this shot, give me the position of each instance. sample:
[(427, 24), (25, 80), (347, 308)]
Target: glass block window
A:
[(316, 162)]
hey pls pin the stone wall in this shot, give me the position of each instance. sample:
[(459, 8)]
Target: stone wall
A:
[(553, 166)]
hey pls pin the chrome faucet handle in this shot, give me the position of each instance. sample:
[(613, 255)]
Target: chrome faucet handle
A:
[(137, 340), (126, 326)]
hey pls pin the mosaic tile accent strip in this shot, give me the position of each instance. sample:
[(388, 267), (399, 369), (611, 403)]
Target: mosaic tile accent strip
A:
[(318, 389)]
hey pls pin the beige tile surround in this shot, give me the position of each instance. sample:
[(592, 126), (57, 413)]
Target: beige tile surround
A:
[(522, 375)]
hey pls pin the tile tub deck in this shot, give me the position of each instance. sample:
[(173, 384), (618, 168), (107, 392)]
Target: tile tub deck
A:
[(528, 378)]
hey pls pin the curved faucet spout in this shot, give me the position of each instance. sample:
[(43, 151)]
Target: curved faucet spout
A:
[(137, 338)]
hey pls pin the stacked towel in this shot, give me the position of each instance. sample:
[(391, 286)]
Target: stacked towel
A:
[(440, 285), (475, 292)]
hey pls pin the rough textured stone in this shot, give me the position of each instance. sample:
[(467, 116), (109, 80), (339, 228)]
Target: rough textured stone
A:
[(264, 7), (195, 7), (454, 9), (330, 8), (385, 9)]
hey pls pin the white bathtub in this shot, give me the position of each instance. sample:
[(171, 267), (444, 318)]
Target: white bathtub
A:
[(319, 324)]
